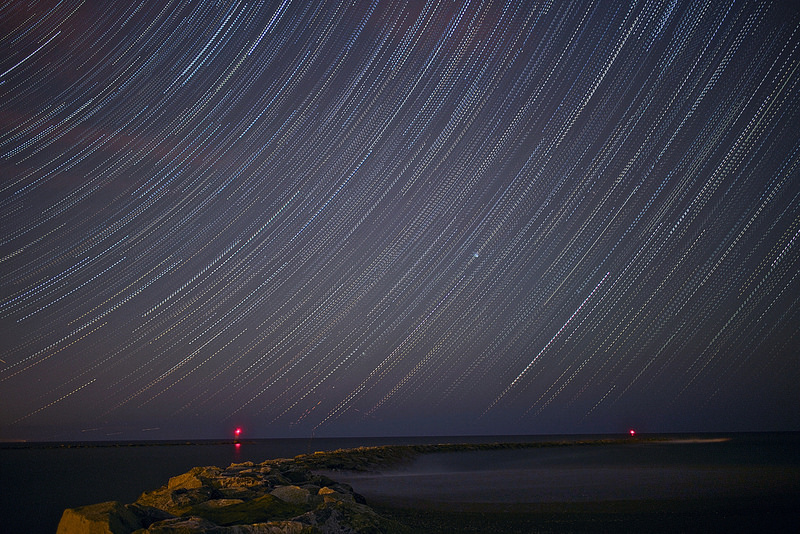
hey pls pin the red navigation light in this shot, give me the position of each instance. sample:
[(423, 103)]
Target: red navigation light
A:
[(237, 432), (633, 432)]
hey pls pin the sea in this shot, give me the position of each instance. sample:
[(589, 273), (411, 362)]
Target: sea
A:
[(39, 480)]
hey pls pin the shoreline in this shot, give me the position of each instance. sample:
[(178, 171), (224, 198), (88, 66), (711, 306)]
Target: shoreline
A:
[(456, 493), (778, 514), (360, 459), (558, 473), (582, 485), (676, 437)]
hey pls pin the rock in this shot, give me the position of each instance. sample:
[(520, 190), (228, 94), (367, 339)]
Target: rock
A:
[(313, 489), (243, 464), (183, 498), (194, 525), (195, 478), (148, 515), (221, 503), (344, 517), (243, 494), (331, 495), (291, 494), (176, 502), (273, 527), (259, 510), (322, 480), (297, 475), (104, 518), (276, 497), (184, 525)]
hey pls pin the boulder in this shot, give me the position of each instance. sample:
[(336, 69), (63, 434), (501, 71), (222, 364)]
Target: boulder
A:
[(176, 502), (195, 478), (277, 497), (148, 515), (330, 495), (184, 525), (259, 510), (195, 525), (291, 494), (104, 518), (342, 517), (273, 527), (297, 476)]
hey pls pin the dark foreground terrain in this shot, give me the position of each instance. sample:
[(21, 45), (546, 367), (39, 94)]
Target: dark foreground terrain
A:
[(612, 517), (569, 486)]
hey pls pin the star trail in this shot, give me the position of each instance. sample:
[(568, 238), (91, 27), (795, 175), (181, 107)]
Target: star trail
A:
[(384, 217)]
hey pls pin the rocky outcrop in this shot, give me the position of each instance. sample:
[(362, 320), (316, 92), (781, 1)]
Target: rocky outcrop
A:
[(275, 497), (103, 518)]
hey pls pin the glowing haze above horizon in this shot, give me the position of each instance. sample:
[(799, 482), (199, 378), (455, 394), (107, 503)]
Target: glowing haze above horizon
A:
[(329, 218)]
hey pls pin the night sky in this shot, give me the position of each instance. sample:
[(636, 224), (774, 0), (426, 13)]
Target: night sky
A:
[(329, 218)]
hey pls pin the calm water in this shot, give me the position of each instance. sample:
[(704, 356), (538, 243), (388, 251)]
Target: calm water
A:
[(40, 480)]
